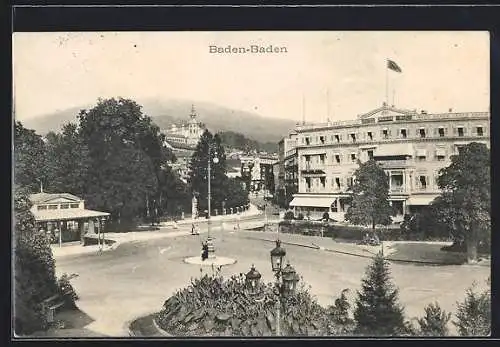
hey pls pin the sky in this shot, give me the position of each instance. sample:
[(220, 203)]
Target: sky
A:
[(322, 74)]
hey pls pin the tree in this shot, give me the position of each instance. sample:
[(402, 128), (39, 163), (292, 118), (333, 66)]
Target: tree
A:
[(29, 158), (67, 161), (198, 171), (339, 314), (377, 310), (34, 267), (465, 202), (474, 313), (369, 197), (126, 154), (236, 196), (435, 321)]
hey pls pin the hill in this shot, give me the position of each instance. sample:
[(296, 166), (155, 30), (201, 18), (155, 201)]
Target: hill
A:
[(165, 112), (237, 140)]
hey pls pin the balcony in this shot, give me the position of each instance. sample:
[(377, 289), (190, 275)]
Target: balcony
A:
[(397, 190), (308, 166)]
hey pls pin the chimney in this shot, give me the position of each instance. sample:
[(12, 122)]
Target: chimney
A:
[(450, 110)]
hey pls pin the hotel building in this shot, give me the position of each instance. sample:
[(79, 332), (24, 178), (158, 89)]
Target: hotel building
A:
[(410, 146)]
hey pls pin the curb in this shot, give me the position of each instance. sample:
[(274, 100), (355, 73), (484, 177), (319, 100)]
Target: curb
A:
[(395, 260), (160, 330)]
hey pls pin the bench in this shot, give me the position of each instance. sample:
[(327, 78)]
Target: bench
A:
[(51, 305)]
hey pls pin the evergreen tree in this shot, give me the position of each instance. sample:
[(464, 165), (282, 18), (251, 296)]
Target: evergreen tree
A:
[(435, 321), (369, 197), (198, 171), (474, 314), (377, 309)]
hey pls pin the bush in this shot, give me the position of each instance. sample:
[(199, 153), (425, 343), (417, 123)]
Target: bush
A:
[(34, 269), (435, 321), (67, 291), (289, 215), (474, 314), (300, 216)]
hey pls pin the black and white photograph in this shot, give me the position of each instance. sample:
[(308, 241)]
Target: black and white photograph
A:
[(251, 184)]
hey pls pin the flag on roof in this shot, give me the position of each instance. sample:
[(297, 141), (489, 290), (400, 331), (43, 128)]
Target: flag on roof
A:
[(391, 65)]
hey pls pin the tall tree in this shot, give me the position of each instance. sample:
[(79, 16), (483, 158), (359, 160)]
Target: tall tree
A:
[(465, 202), (29, 158), (126, 156), (377, 310), (67, 161), (34, 267), (435, 321), (369, 196), (208, 148)]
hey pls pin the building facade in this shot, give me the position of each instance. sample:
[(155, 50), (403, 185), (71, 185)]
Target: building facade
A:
[(411, 147)]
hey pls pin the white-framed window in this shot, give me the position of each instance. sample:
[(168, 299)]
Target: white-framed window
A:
[(370, 135), (353, 137), (64, 206), (337, 157), (403, 133), (385, 133), (337, 137), (53, 207), (353, 157), (338, 183), (322, 140), (41, 207)]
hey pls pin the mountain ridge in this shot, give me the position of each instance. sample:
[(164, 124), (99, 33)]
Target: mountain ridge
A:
[(165, 112)]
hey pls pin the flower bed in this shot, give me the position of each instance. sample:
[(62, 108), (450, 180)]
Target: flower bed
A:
[(211, 306)]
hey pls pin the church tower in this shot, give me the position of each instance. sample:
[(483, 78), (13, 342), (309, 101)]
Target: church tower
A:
[(194, 128)]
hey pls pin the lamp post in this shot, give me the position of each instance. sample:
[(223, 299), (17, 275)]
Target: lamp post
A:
[(103, 220), (210, 245), (286, 281)]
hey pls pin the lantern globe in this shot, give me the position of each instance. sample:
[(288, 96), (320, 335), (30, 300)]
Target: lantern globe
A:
[(252, 279), (277, 255), (290, 279)]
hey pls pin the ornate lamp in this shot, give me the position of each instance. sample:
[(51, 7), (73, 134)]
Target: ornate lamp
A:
[(277, 255), (290, 279), (252, 279)]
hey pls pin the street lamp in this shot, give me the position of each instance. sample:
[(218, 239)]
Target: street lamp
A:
[(103, 220), (277, 255), (252, 279), (286, 281), (210, 245)]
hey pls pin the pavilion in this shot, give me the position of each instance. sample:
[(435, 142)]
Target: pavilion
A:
[(64, 216)]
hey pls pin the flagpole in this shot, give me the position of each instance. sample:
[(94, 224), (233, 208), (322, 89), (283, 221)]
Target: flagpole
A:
[(386, 82)]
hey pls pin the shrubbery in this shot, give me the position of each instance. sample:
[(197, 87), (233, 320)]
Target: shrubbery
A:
[(474, 313), (34, 269), (435, 321), (212, 306)]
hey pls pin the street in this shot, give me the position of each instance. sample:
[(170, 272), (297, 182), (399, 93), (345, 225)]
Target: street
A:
[(118, 286)]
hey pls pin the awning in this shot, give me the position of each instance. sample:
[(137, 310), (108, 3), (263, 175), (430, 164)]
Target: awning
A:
[(421, 152), (440, 152), (420, 200), (67, 214), (319, 201), (390, 150)]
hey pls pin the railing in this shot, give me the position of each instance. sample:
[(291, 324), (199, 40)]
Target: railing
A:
[(397, 189), (386, 164), (415, 116), (313, 166)]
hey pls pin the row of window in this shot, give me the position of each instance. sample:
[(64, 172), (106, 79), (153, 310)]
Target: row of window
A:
[(55, 207), (421, 182), (386, 133), (337, 158)]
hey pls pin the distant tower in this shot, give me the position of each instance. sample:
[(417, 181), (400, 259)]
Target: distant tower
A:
[(194, 128)]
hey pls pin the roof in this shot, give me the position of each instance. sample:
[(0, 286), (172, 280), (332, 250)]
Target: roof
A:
[(66, 214), (319, 201), (423, 200), (388, 109), (39, 198)]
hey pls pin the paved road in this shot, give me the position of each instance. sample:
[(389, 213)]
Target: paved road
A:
[(136, 278)]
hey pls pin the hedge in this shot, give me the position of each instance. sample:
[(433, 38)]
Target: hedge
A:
[(336, 231)]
